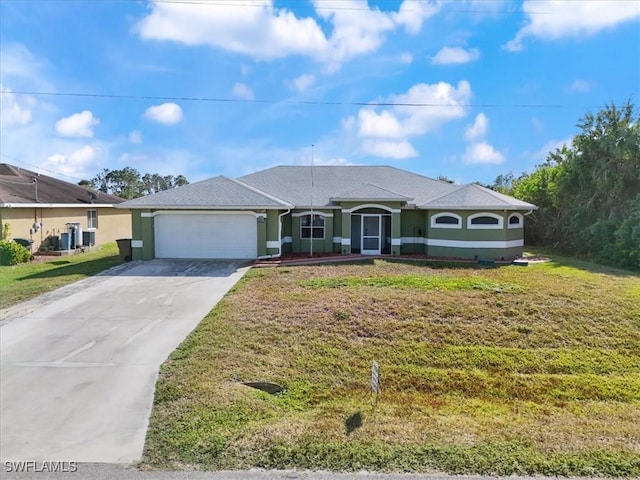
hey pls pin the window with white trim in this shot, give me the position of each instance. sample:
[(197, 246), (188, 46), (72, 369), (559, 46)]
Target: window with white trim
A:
[(446, 220), (92, 219), (515, 220), (309, 227), (485, 220)]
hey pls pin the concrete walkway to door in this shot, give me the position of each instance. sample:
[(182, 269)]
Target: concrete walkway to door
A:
[(78, 366)]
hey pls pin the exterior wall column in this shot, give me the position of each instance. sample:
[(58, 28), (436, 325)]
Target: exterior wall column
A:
[(396, 239), (142, 242), (346, 233), (273, 244)]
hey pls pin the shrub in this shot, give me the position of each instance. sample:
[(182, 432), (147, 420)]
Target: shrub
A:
[(12, 253)]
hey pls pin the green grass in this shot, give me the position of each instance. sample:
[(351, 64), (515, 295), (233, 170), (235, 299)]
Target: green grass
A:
[(511, 370), (22, 282)]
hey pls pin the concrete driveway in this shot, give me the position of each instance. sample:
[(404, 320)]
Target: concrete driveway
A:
[(78, 366)]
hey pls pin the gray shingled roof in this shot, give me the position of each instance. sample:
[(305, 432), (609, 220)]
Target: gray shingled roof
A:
[(473, 197), (17, 187), (219, 192), (293, 183), (289, 186), (369, 192)]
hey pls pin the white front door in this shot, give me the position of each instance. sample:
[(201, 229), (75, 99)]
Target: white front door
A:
[(371, 234)]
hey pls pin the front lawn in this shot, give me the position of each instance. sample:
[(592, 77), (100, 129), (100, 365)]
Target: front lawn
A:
[(27, 280), (510, 370)]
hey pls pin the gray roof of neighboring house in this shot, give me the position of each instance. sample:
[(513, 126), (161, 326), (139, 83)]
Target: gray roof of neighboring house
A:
[(293, 183), (474, 196), (220, 192), (325, 186), (17, 186)]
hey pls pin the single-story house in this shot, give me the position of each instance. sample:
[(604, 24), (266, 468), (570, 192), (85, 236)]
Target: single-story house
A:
[(369, 210), (37, 207)]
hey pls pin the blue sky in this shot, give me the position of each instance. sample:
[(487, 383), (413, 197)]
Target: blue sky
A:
[(465, 89)]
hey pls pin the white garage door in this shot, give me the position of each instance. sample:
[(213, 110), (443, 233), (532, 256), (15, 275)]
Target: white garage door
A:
[(206, 236)]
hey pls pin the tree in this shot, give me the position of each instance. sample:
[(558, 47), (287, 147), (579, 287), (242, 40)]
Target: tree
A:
[(589, 192), (127, 182)]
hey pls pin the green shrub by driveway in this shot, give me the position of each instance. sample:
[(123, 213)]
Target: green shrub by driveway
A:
[(12, 253)]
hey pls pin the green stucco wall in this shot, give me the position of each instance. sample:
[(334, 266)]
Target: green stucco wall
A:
[(412, 226)]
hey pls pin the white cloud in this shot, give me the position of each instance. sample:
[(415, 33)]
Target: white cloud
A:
[(74, 165), (412, 14), (381, 125), (482, 153), (455, 55), (14, 109), (571, 19), (478, 129), (422, 109), (265, 32), (135, 137), (242, 91), (397, 150), (580, 86), (78, 125), (303, 82), (165, 113), (406, 58)]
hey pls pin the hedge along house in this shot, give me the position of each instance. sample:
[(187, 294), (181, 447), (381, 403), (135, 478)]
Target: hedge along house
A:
[(41, 208), (368, 210)]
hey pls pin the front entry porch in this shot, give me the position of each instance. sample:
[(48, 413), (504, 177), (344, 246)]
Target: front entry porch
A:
[(371, 232)]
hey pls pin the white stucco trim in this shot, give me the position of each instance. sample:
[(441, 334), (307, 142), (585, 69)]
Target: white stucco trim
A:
[(457, 226), (201, 212), (371, 205), (396, 241), (137, 244), (337, 239), (434, 242), (315, 212), (287, 240), (518, 225), (499, 226), (413, 240), (273, 244), (346, 241)]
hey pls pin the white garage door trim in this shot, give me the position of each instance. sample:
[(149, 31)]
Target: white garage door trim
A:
[(206, 235)]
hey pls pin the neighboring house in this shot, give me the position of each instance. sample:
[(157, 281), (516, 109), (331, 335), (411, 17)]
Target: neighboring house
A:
[(341, 209), (42, 208)]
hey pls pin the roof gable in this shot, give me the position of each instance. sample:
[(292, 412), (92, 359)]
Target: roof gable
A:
[(369, 192), (220, 191), (473, 196)]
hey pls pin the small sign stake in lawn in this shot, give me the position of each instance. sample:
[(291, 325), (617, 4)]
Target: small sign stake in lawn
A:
[(375, 379)]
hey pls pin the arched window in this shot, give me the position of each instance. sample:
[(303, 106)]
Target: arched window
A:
[(309, 227), (515, 220), (485, 220), (446, 220)]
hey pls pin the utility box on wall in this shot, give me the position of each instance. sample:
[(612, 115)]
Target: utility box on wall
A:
[(88, 239)]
